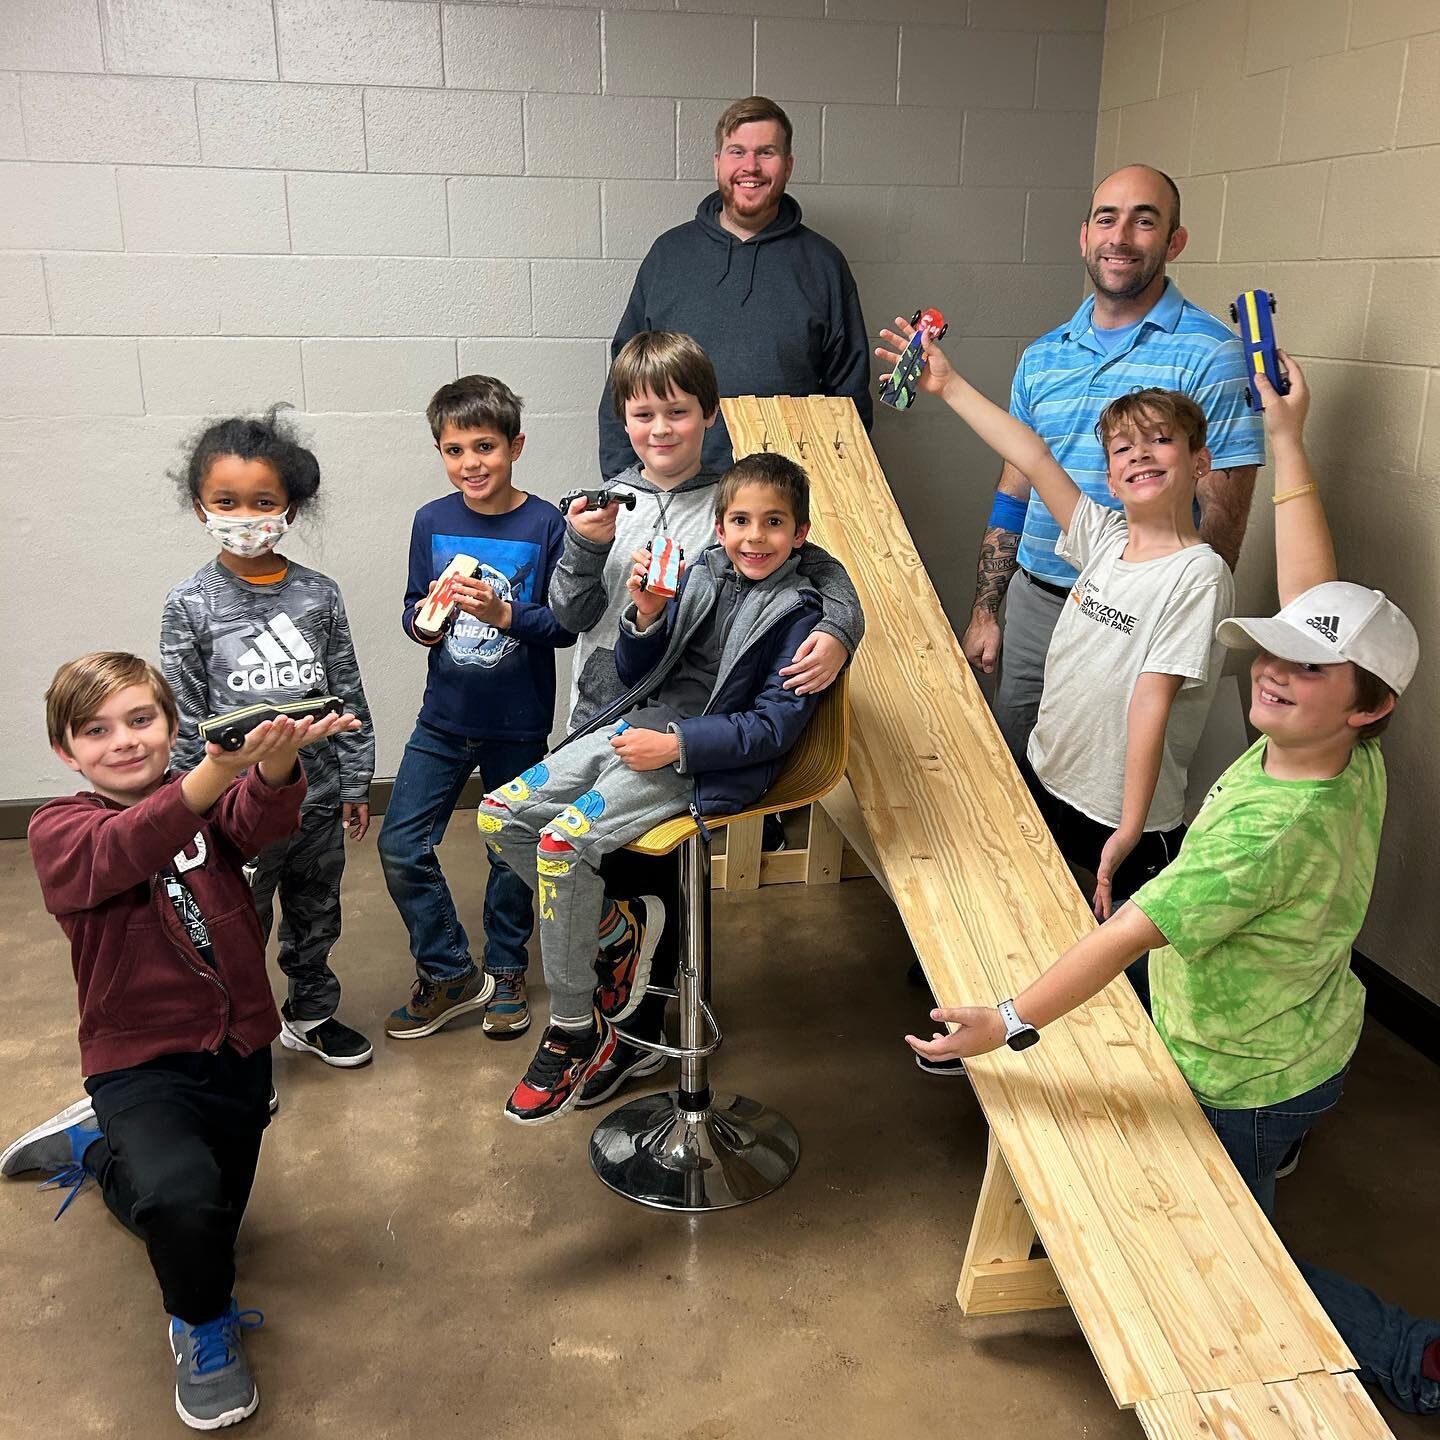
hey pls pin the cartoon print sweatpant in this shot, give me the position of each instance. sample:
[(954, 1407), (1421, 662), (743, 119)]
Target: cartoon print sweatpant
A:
[(554, 823)]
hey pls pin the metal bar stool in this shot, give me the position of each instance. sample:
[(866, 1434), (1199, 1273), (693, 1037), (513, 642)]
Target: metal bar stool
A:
[(690, 1149)]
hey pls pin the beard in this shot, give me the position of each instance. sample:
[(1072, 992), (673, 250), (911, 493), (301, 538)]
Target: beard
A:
[(1137, 284)]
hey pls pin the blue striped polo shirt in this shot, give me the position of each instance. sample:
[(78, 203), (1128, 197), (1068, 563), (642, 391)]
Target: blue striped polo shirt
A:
[(1066, 378)]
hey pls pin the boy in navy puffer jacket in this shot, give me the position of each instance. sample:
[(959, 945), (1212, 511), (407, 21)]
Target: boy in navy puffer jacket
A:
[(704, 725)]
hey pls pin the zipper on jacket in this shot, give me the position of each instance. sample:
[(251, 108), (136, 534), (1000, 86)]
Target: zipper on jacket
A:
[(202, 970)]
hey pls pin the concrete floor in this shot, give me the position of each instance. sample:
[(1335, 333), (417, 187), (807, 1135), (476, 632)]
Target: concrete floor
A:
[(427, 1269)]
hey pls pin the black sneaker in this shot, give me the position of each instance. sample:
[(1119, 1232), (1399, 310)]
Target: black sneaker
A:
[(274, 1101), (561, 1068), (626, 1064), (334, 1043), (1291, 1163), (772, 835)]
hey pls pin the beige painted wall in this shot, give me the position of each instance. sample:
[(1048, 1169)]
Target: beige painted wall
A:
[(1305, 136), (342, 203)]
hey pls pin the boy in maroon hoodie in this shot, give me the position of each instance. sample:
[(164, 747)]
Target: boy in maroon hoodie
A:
[(143, 872)]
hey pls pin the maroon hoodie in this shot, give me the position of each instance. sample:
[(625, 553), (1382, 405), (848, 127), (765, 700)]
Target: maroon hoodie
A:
[(144, 989)]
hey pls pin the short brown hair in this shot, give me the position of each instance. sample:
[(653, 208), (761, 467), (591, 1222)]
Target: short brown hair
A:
[(82, 686), (474, 402), (1172, 408), (1371, 692), (747, 112), (663, 361), (766, 468)]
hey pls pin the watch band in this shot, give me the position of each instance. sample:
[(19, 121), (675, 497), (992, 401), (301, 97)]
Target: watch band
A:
[(1018, 1034)]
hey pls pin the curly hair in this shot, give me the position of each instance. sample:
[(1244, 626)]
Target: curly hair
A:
[(267, 437)]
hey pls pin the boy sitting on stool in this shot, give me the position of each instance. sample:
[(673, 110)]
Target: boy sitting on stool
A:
[(707, 722)]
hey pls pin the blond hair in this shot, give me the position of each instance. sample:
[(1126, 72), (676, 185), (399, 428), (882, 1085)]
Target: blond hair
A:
[(663, 361), (82, 686)]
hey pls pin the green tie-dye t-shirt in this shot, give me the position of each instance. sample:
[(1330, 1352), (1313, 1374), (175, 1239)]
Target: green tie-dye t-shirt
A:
[(1254, 995)]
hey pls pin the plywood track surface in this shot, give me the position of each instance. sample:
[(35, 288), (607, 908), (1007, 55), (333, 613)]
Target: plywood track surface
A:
[(1182, 1288)]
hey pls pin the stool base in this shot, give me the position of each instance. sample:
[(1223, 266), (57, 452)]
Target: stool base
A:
[(732, 1152)]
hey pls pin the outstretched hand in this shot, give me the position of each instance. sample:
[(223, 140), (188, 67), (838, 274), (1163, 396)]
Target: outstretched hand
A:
[(978, 1030), (936, 370)]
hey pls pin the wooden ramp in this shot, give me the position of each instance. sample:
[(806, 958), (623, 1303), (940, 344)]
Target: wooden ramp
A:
[(1195, 1313)]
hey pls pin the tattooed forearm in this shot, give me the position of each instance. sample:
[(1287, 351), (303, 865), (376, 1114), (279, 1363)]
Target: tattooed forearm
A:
[(996, 567)]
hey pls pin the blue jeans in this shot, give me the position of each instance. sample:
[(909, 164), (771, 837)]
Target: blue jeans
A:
[(433, 772), (1387, 1341)]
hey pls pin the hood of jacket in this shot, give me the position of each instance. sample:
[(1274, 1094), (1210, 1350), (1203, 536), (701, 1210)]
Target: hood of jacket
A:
[(707, 214)]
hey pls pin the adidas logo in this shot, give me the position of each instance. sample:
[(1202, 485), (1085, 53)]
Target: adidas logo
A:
[(280, 659), (1327, 625)]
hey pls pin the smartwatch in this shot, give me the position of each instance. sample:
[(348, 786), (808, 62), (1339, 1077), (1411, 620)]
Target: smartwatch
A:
[(1018, 1035)]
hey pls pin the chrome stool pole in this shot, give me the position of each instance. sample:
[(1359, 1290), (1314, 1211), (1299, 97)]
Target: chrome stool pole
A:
[(689, 1149)]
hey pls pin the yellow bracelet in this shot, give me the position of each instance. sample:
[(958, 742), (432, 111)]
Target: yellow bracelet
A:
[(1299, 490)]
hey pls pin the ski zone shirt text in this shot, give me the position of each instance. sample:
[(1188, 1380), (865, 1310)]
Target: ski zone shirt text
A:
[(226, 643), (483, 683)]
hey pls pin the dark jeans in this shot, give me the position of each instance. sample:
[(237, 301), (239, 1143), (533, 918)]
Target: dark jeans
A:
[(1387, 1341), (305, 868), (1081, 841), (180, 1140), (433, 772), (626, 875)]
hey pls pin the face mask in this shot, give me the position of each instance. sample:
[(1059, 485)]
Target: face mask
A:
[(246, 535)]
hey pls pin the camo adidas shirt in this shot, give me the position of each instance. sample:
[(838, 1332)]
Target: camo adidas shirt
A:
[(225, 643)]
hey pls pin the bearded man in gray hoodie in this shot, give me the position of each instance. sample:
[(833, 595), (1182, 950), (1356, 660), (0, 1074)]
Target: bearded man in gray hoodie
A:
[(773, 304)]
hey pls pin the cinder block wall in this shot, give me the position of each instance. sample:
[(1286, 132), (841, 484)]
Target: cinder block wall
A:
[(1305, 135), (206, 207)]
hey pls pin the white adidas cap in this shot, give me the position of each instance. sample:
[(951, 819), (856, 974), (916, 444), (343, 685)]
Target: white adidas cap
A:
[(1330, 624)]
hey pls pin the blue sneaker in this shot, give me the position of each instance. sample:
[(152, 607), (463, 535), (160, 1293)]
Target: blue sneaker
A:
[(58, 1145), (213, 1383)]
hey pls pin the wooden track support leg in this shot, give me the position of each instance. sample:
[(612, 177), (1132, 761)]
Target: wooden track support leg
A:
[(742, 854), (999, 1275), (824, 849)]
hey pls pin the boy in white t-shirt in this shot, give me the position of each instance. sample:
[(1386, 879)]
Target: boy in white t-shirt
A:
[(1133, 664)]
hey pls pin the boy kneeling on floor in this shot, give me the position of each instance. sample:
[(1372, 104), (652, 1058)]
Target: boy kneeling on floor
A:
[(143, 872), (704, 724)]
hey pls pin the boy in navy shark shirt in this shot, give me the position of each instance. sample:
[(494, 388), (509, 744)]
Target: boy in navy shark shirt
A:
[(489, 701)]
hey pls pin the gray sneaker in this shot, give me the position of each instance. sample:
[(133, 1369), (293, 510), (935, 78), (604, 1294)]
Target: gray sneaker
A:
[(213, 1384)]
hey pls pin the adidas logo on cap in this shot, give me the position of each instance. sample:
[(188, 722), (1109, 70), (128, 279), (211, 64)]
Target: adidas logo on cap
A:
[(280, 659), (1327, 625)]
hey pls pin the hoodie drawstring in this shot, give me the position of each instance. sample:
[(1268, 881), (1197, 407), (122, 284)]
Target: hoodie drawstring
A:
[(754, 260), (754, 249)]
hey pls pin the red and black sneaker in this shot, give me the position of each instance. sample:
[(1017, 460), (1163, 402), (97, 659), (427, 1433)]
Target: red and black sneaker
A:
[(623, 969), (560, 1070)]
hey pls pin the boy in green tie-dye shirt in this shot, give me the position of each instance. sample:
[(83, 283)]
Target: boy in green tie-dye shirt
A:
[(1251, 926)]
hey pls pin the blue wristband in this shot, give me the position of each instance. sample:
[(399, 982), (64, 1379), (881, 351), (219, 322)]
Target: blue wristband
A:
[(1007, 513)]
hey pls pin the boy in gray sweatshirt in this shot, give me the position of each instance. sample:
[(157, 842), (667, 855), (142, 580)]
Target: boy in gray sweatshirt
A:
[(666, 395)]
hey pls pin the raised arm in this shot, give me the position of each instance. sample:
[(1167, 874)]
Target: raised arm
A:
[(1304, 551), (1011, 439)]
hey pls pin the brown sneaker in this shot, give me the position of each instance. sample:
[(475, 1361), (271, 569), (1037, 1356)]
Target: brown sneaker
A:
[(508, 1012), (433, 1004)]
